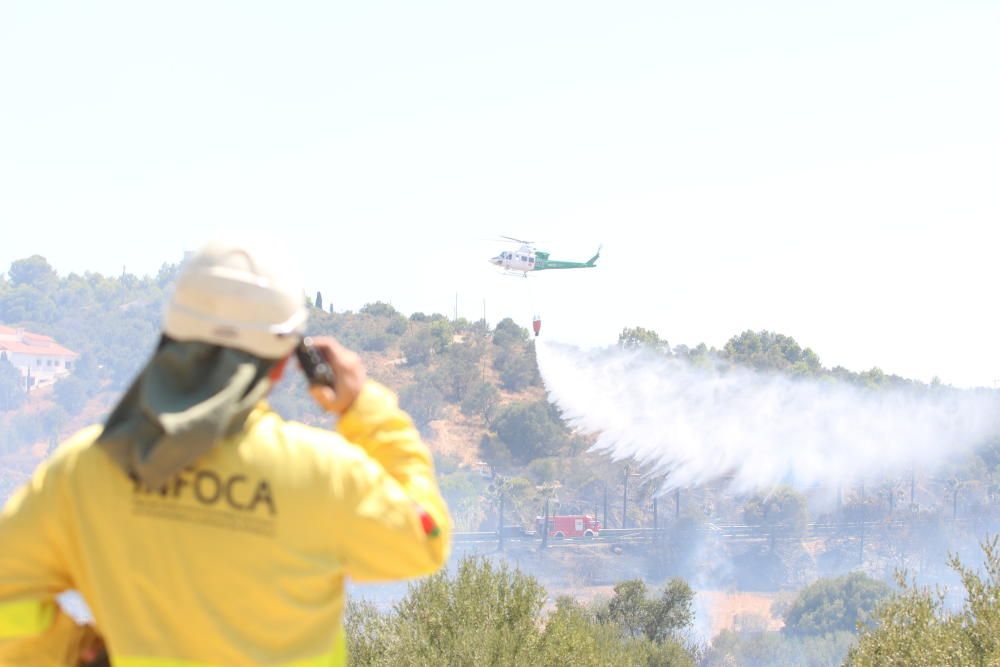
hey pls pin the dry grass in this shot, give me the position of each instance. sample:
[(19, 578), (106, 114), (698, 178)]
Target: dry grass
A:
[(727, 610), (456, 436)]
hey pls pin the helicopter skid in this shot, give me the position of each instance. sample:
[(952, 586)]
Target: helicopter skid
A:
[(514, 274)]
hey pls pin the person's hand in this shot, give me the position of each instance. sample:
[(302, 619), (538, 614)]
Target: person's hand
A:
[(92, 651), (348, 373)]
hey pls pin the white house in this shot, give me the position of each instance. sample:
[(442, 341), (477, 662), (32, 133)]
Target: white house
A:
[(40, 359)]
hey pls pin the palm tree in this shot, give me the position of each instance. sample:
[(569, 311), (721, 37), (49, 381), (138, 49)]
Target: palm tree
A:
[(548, 492), (893, 489), (993, 486), (954, 486), (497, 492)]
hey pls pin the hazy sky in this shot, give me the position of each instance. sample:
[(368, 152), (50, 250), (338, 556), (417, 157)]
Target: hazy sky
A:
[(827, 170)]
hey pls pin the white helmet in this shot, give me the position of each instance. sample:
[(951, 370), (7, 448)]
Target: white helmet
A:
[(232, 296)]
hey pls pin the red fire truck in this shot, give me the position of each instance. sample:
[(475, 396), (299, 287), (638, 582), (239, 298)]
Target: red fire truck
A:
[(571, 525)]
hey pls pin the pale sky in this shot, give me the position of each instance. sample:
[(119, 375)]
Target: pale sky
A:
[(827, 170)]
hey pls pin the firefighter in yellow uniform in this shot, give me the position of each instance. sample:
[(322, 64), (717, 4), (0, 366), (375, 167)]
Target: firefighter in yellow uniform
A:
[(201, 528)]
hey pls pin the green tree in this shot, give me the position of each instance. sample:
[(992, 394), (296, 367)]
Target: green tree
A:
[(914, 627), (418, 346), (832, 605), (766, 350), (518, 369), (531, 430), (318, 302), (34, 272), (424, 404), (482, 400), (397, 326), (12, 393), (627, 607), (379, 309), (507, 332), (26, 303), (71, 393), (637, 337), (783, 509), (989, 452), (458, 370), (658, 619), (167, 274), (671, 612), (442, 334), (86, 369), (574, 636), (370, 639), (954, 485), (485, 614), (757, 647), (460, 490), (495, 451), (697, 354), (371, 333), (26, 429), (51, 423), (572, 631)]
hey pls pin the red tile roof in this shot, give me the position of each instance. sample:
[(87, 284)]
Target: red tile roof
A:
[(53, 350), (32, 344)]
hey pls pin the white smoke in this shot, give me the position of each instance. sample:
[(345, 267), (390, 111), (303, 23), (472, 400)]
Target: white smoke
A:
[(698, 424)]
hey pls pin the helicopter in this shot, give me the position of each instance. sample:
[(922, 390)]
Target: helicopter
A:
[(526, 258)]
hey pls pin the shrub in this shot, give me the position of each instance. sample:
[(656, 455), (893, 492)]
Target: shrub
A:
[(457, 371), (441, 333), (397, 326), (71, 394), (518, 372), (508, 333), (915, 628), (730, 648), (495, 452), (831, 605), (12, 393), (784, 509), (574, 636), (417, 347), (484, 613), (481, 400), (657, 618), (423, 403), (379, 309), (531, 430)]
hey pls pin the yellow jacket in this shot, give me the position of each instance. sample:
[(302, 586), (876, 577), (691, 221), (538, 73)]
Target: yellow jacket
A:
[(241, 560)]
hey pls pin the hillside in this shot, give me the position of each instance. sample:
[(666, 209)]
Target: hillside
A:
[(453, 377), (463, 382), (474, 390)]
